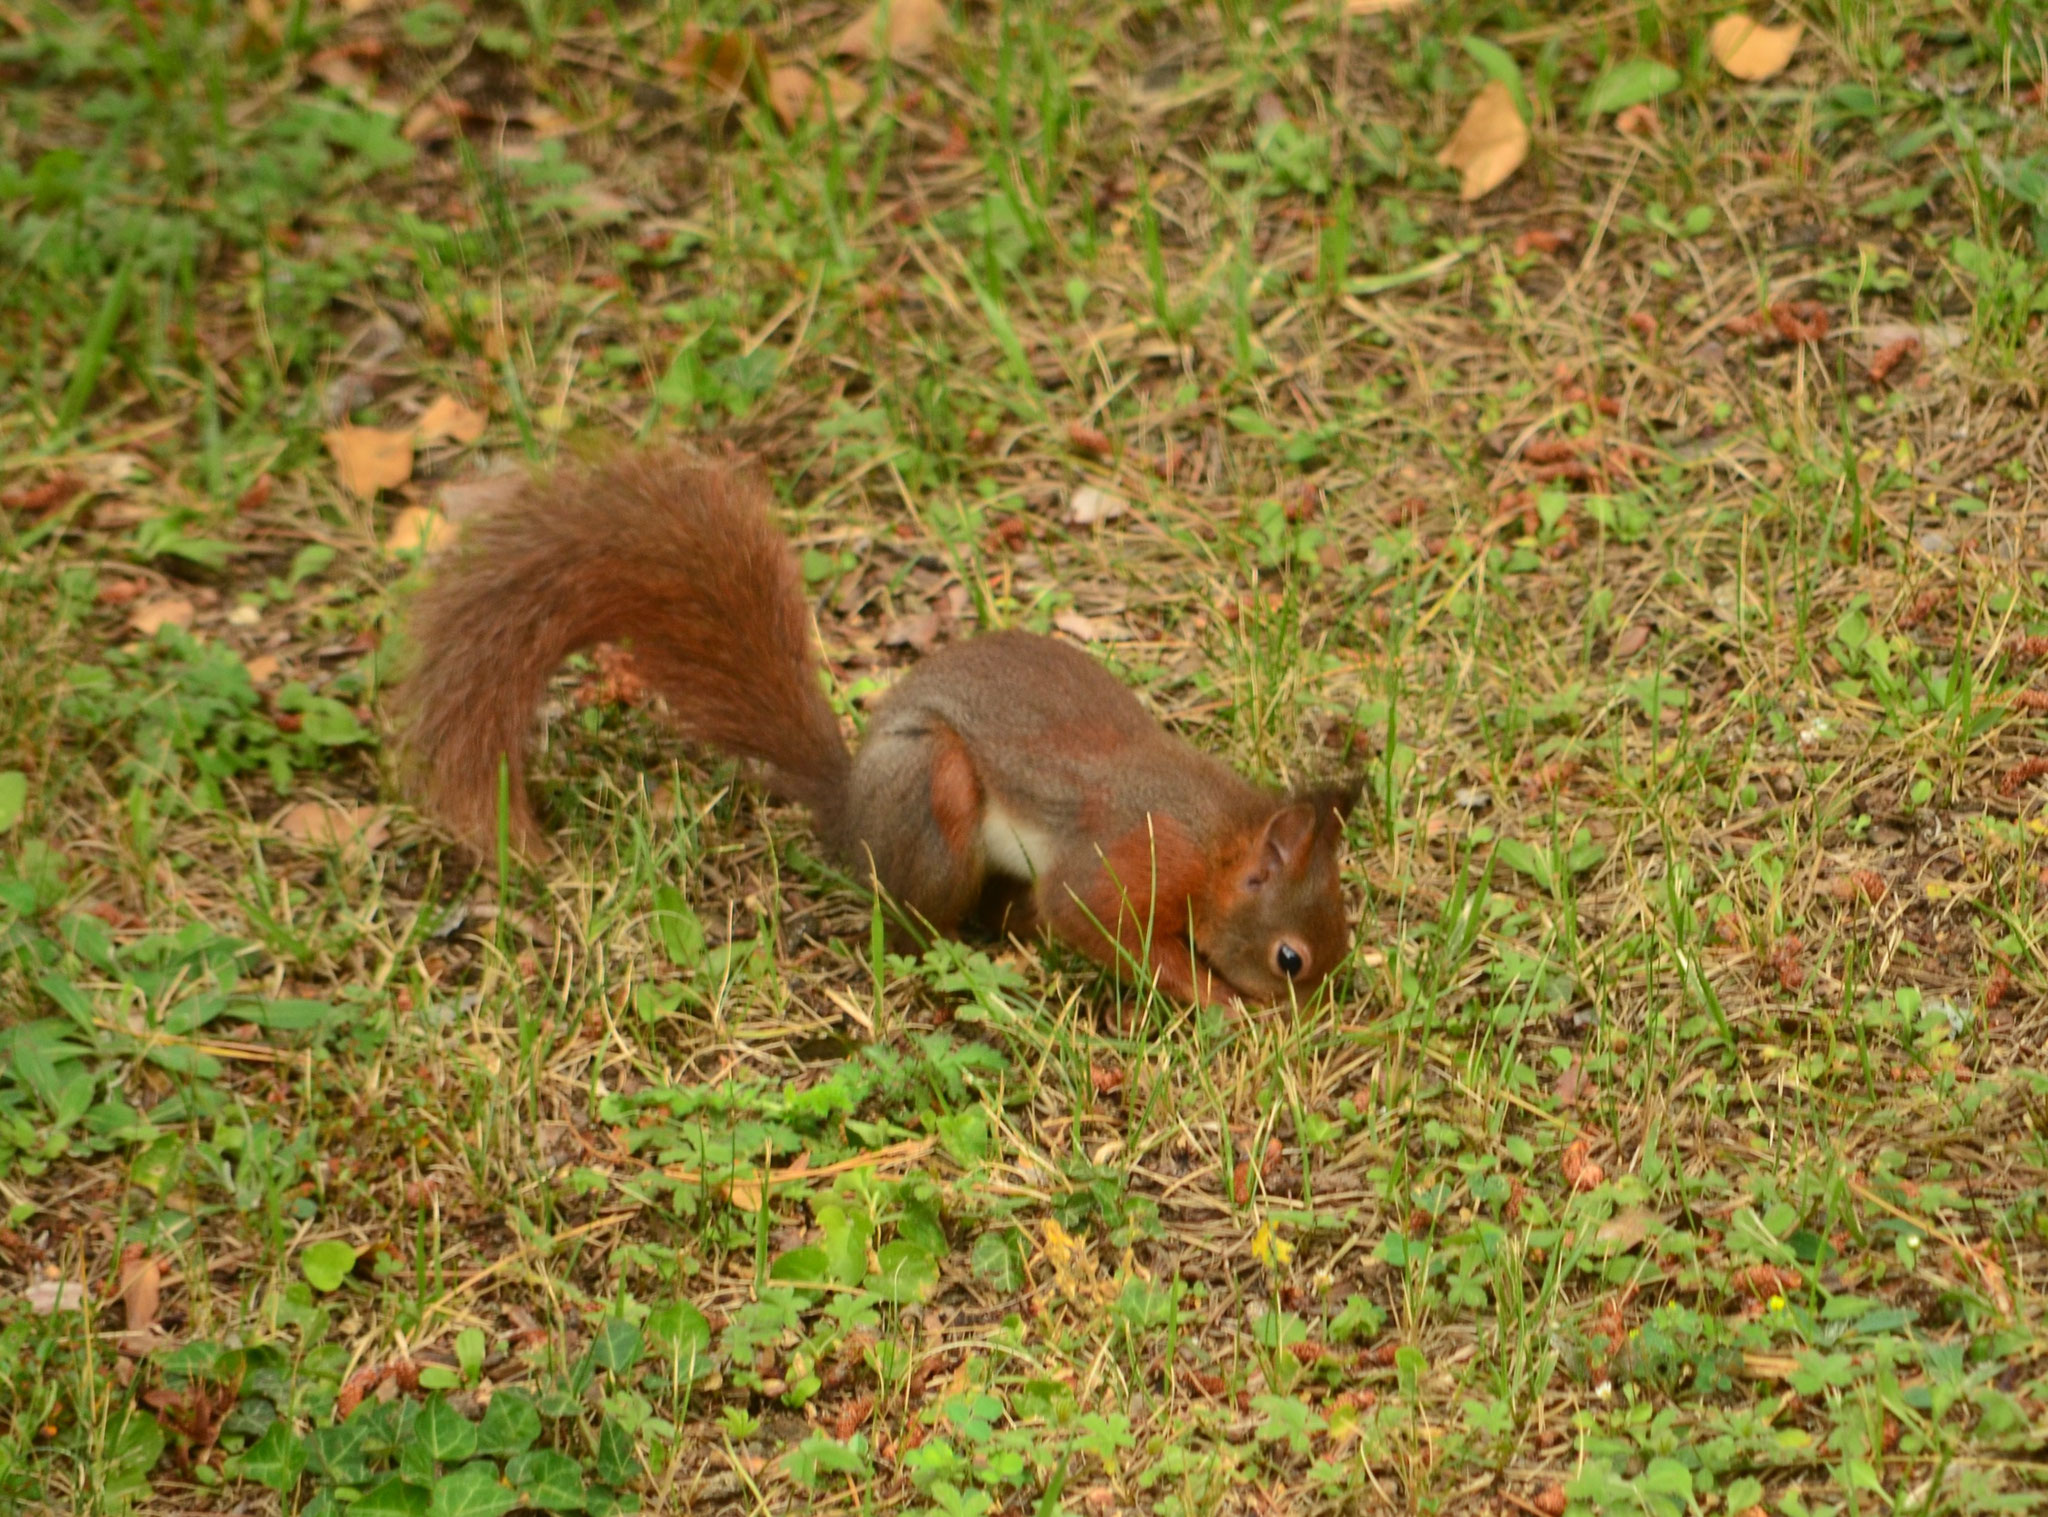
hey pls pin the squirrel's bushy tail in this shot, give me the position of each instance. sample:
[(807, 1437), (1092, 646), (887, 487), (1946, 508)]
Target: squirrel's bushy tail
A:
[(673, 556)]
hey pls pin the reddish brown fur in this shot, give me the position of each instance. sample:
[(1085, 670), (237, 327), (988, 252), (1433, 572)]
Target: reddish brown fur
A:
[(1135, 909), (956, 793), (589, 557), (1139, 847)]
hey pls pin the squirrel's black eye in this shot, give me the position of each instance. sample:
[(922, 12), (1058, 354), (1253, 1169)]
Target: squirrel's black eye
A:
[(1288, 957)]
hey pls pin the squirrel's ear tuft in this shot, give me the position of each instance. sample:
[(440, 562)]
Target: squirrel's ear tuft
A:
[(1333, 804)]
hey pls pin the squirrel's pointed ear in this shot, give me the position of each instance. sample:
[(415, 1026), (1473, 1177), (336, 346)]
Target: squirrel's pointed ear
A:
[(1283, 843)]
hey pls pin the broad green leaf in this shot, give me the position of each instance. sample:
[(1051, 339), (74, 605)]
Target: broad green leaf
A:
[(846, 1244), (682, 1334), (615, 1462), (337, 1452), (469, 1351), (274, 1460), (550, 1481), (327, 1264), (817, 1457), (132, 1449), (447, 1436), (800, 1266), (289, 1016), (904, 1273), (1498, 64), (1634, 81), (617, 1346), (13, 798), (510, 1424), (472, 1491), (394, 1498), (681, 933)]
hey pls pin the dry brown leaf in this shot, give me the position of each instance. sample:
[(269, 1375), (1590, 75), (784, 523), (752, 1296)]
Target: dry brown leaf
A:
[(47, 1296), (1992, 1274), (328, 824), (797, 94), (729, 63), (333, 66), (1377, 7), (450, 418), (1091, 505), (1080, 628), (141, 1291), (369, 459), (1750, 50), (418, 528), (1638, 121), (263, 668), (112, 473), (920, 631), (1625, 1229), (35, 499), (1632, 639), (913, 26), (1090, 629), (161, 611), (1489, 144), (1758, 1366), (1088, 439)]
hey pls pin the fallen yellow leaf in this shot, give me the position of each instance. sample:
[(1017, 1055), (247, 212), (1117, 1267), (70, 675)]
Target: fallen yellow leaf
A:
[(913, 26), (1750, 50), (326, 824), (369, 459), (796, 94), (418, 528), (450, 418), (1489, 144), (163, 611)]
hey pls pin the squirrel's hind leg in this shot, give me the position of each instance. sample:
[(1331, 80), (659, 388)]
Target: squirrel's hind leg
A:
[(913, 818)]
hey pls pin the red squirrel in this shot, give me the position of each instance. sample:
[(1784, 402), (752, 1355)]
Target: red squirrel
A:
[(1008, 772)]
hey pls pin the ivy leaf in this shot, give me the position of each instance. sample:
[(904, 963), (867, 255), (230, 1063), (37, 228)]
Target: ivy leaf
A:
[(337, 1452), (445, 1434), (276, 1459), (550, 1481), (615, 1462), (617, 1346), (510, 1424), (472, 1491), (394, 1498)]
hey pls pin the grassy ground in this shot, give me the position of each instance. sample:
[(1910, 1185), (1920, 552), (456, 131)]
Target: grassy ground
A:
[(1661, 533)]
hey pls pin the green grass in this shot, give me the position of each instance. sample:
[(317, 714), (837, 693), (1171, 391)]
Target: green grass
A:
[(1672, 1141)]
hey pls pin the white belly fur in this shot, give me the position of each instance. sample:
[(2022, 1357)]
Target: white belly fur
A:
[(1013, 848)]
